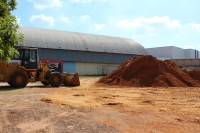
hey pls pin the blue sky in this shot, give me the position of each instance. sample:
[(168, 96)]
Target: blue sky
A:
[(153, 23)]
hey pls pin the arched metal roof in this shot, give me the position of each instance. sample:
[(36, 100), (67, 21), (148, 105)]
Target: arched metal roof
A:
[(53, 39)]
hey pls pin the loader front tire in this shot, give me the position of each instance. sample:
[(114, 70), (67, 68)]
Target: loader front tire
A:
[(45, 83), (18, 80), (55, 79)]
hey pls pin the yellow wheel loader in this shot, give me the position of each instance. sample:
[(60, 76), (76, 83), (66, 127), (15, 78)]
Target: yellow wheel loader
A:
[(25, 68)]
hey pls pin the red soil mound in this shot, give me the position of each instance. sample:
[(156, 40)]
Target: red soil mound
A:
[(195, 74), (147, 71)]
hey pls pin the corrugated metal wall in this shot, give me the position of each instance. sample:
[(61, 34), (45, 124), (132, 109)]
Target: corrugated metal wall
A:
[(85, 63), (94, 68), (78, 56)]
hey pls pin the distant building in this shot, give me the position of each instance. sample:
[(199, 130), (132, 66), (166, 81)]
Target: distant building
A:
[(171, 52), (86, 54)]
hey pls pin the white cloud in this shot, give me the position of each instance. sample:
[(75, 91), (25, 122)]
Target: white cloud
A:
[(149, 28), (87, 1), (194, 26), (85, 17), (65, 20), (18, 20), (42, 20), (147, 23), (99, 26), (42, 4)]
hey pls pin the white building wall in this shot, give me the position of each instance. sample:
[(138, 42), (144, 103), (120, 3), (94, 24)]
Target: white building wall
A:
[(171, 52), (198, 55), (95, 68), (161, 52), (189, 54), (177, 53)]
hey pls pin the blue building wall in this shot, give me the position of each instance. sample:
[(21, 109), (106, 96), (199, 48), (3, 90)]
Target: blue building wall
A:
[(82, 56), (69, 67)]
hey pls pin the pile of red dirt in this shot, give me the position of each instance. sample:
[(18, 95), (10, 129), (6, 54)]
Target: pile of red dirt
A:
[(195, 74), (147, 71)]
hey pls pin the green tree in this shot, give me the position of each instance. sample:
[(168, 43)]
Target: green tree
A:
[(9, 35)]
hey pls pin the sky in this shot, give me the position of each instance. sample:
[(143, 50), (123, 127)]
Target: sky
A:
[(152, 23)]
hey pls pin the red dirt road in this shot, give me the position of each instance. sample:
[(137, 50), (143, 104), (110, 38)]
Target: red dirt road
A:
[(93, 108)]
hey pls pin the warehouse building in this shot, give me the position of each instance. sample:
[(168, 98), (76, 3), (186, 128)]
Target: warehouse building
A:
[(171, 52), (86, 54), (184, 58)]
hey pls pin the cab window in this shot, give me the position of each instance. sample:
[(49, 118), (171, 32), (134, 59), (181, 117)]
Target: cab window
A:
[(32, 56), (26, 54)]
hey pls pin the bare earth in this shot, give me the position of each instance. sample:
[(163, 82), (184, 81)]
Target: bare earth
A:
[(95, 108)]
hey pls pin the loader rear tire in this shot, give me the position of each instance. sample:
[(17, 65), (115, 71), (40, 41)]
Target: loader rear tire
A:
[(55, 79), (18, 80)]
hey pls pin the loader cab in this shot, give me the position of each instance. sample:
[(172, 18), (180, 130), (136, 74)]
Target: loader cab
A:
[(29, 57)]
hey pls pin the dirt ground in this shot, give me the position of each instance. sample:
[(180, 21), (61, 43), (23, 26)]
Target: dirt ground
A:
[(94, 108)]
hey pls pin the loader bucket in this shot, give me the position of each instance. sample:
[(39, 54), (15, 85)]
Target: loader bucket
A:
[(71, 79)]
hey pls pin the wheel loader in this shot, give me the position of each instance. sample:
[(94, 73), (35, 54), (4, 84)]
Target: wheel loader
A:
[(25, 68)]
